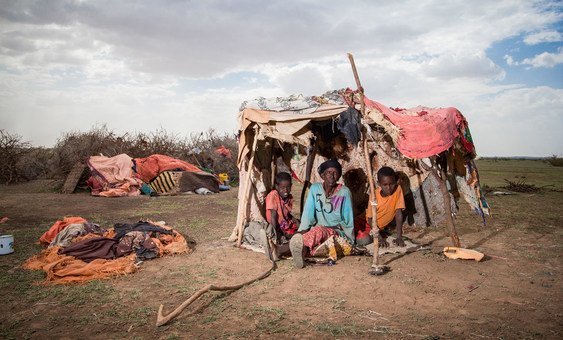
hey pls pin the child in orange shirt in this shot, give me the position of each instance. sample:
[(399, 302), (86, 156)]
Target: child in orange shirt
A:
[(390, 205)]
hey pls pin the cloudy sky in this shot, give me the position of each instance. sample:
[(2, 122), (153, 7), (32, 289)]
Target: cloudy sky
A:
[(186, 66)]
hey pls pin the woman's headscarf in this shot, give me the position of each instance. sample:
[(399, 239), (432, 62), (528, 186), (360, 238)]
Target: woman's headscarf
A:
[(331, 163)]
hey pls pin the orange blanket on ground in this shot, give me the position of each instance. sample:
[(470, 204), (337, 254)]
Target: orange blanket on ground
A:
[(150, 167), (56, 228), (63, 269)]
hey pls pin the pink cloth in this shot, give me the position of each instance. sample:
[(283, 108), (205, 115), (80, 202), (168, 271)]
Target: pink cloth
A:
[(113, 176), (424, 131)]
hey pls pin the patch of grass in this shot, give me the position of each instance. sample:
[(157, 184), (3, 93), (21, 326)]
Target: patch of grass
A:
[(536, 172), (339, 304), (134, 294), (268, 319), (93, 293), (139, 316), (210, 319), (336, 330)]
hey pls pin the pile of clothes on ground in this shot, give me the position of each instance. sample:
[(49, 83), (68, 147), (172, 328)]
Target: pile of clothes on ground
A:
[(79, 251), (122, 175)]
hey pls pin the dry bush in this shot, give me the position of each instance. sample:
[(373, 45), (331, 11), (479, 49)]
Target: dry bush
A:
[(156, 142), (21, 162), (198, 149), (555, 161), (76, 146), (202, 147), (12, 150), (34, 164), (521, 186)]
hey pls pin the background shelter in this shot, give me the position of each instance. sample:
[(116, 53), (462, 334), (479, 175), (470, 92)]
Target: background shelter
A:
[(431, 149)]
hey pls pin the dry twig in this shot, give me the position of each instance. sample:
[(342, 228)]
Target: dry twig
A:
[(163, 320)]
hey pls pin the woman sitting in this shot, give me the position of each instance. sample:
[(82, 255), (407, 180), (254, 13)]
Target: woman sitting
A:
[(327, 215)]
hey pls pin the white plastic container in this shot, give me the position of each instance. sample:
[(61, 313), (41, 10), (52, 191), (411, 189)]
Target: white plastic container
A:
[(6, 244)]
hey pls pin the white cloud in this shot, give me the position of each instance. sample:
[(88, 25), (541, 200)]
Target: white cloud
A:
[(70, 64), (448, 66), (545, 59), (542, 37), (521, 121), (509, 60)]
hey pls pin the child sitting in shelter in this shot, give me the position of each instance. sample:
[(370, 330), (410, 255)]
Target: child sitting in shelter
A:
[(280, 225), (390, 205), (279, 203)]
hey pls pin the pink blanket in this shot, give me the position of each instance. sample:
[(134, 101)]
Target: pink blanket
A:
[(114, 176), (424, 131)]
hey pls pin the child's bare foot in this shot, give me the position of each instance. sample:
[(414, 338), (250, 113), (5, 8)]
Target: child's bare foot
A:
[(383, 241), (399, 241)]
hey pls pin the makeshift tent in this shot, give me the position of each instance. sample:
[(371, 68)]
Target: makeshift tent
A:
[(431, 149), (122, 175)]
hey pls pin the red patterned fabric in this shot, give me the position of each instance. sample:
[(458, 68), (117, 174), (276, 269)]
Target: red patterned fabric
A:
[(150, 167), (316, 236), (425, 131)]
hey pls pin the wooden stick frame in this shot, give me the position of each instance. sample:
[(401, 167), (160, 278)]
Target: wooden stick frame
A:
[(368, 166)]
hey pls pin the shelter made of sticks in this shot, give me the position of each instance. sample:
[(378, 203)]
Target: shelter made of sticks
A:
[(431, 149)]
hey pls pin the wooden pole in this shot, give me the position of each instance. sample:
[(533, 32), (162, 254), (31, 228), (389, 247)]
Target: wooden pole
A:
[(311, 151), (247, 185), (375, 229), (373, 207), (274, 167), (448, 206)]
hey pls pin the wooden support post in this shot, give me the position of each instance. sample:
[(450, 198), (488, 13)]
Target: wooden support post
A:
[(373, 207), (448, 206), (274, 167), (311, 151), (247, 185), (375, 267)]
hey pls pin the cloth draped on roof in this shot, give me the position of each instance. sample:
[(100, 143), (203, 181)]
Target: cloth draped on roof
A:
[(425, 131), (113, 176), (417, 133), (150, 167)]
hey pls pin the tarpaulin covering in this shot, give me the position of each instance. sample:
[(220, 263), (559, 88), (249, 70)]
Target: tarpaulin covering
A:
[(150, 167)]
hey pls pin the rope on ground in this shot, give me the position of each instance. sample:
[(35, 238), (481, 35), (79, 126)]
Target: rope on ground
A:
[(163, 320)]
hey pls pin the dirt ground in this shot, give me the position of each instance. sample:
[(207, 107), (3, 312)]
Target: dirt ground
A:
[(515, 293)]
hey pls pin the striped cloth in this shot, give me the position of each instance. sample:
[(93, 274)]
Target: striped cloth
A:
[(167, 182)]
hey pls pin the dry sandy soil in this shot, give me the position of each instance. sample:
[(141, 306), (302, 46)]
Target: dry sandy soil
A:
[(515, 293)]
